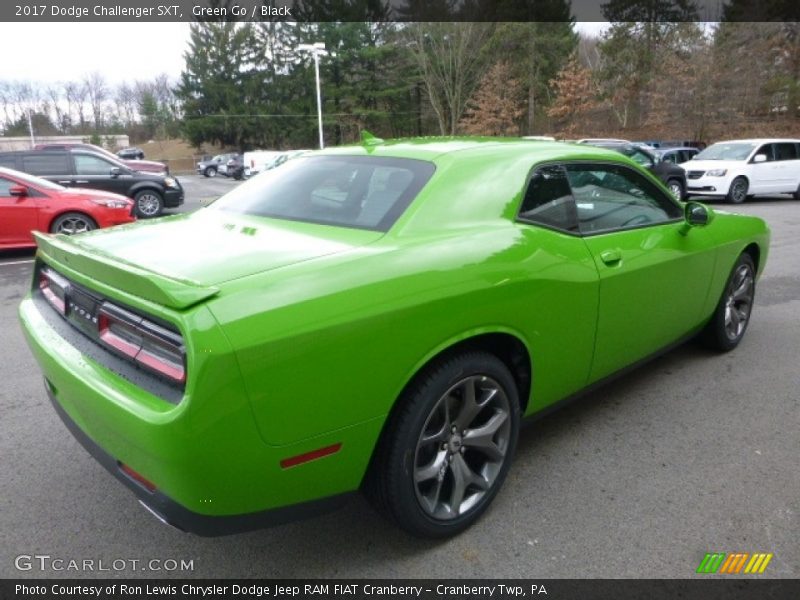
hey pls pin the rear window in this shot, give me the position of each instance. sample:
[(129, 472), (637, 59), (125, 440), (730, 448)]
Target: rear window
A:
[(363, 192), (46, 164)]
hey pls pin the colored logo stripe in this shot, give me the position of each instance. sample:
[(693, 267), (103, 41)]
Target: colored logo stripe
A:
[(733, 563), (711, 563), (758, 563)]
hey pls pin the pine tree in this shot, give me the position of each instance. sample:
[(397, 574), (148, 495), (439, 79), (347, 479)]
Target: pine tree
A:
[(218, 87)]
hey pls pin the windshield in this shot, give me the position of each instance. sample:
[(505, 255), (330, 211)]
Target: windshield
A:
[(362, 192), (639, 156), (726, 151)]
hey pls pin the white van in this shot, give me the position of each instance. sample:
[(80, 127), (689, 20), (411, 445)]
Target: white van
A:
[(739, 169)]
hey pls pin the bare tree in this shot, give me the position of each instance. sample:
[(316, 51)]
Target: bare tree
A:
[(125, 98), (75, 95), (97, 93), (53, 93), (451, 61)]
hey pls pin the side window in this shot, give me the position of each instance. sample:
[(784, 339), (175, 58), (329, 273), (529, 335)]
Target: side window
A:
[(610, 197), (785, 151), (548, 200), (46, 164), (687, 155), (86, 164), (5, 186), (767, 150), (671, 157)]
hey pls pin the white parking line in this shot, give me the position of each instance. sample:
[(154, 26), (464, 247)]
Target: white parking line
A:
[(15, 262)]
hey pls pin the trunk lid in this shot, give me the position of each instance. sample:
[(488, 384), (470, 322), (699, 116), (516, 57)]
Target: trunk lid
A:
[(181, 260)]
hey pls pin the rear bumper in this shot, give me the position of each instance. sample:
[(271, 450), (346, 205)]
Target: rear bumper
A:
[(211, 470), (172, 513)]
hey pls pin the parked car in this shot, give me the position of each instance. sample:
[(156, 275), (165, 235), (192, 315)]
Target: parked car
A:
[(145, 166), (596, 141), (673, 176), (256, 161), (740, 169), (30, 204), (85, 169), (131, 153), (373, 317), (235, 167), (214, 165), (676, 156)]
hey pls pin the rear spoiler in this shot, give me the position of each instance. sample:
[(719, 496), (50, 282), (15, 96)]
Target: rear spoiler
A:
[(174, 293)]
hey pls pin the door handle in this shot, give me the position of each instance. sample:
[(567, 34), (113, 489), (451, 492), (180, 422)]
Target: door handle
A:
[(65, 182), (611, 257), (81, 181)]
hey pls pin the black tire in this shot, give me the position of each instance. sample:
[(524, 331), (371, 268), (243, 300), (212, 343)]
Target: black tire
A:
[(731, 316), (425, 462), (796, 195), (149, 203), (72, 223), (738, 191), (210, 172), (676, 188)]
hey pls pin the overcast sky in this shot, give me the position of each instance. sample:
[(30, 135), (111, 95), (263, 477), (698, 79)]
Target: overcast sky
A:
[(51, 52)]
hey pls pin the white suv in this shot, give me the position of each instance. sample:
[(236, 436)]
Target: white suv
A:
[(742, 168)]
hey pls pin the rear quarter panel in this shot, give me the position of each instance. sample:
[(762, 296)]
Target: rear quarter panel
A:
[(333, 342)]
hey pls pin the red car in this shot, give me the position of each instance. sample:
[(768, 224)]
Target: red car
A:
[(145, 166), (29, 203)]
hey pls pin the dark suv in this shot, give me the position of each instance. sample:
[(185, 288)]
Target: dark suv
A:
[(84, 169), (673, 176)]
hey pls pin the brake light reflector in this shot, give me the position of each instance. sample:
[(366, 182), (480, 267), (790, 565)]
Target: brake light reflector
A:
[(293, 461), (145, 483)]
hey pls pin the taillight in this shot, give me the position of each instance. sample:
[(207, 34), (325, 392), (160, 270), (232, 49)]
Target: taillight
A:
[(148, 344), (54, 288)]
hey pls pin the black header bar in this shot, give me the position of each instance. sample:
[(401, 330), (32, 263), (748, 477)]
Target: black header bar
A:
[(700, 587), (397, 10)]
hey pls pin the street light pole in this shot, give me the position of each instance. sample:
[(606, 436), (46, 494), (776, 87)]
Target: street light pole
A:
[(317, 50), (319, 101)]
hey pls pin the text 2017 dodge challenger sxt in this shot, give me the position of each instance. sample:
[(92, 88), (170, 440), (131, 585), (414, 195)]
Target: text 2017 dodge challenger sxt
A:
[(375, 317)]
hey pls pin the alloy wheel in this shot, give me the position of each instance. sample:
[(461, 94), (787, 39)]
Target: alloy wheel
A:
[(462, 447), (738, 191), (148, 205), (739, 301), (73, 225)]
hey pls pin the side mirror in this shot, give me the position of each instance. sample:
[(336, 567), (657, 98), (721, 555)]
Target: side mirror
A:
[(115, 172), (18, 190), (696, 214), (759, 158)]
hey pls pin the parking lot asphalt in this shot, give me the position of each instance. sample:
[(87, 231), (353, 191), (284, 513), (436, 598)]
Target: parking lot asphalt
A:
[(689, 454)]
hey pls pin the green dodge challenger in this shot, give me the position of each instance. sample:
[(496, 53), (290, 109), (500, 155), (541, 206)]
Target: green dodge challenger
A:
[(377, 317)]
